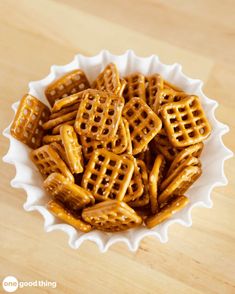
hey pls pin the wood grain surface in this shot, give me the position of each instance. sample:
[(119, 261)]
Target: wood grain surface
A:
[(198, 34)]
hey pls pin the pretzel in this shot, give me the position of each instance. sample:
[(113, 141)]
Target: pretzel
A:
[(154, 85), (190, 161), (128, 137), (64, 110), (144, 124), (67, 102), (72, 148), (185, 122), (48, 161), (59, 148), (47, 139), (168, 85), (56, 130), (143, 200), (180, 183), (135, 188), (176, 204), (71, 195), (111, 216), (107, 175), (122, 87), (116, 145), (194, 150), (27, 124), (135, 87), (108, 80), (154, 181), (71, 83), (99, 115), (52, 123), (63, 214)]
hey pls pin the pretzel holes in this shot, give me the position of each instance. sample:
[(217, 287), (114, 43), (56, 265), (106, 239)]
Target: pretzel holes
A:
[(137, 105), (88, 106), (94, 129), (144, 114), (130, 112), (83, 126), (111, 112), (90, 186)]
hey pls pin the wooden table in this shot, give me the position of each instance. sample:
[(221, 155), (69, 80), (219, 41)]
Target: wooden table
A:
[(199, 35)]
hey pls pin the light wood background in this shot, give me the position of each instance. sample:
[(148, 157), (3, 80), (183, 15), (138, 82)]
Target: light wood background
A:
[(35, 34)]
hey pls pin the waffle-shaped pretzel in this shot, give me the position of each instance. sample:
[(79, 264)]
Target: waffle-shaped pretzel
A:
[(56, 130), (135, 87), (47, 139), (59, 148), (176, 204), (64, 110), (99, 115), (190, 161), (117, 145), (185, 122), (63, 214), (108, 80), (167, 96), (136, 187), (48, 161), (107, 175), (111, 216), (180, 183), (154, 181), (71, 83), (168, 85), (72, 148), (27, 124), (122, 88), (65, 103), (143, 200), (154, 85), (52, 123), (194, 150), (144, 124), (71, 195), (128, 137)]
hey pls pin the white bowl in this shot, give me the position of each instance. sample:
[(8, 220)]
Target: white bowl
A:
[(213, 155)]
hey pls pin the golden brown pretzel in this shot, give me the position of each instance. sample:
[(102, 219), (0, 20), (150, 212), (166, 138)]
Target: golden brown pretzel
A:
[(27, 124), (135, 87)]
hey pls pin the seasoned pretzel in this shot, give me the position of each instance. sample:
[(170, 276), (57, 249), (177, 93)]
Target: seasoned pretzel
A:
[(107, 175), (180, 183), (194, 150), (72, 148), (154, 181), (108, 80), (176, 204), (64, 103), (135, 87), (116, 145), (63, 214), (111, 216), (71, 195), (185, 122), (136, 187), (27, 124), (143, 200), (47, 139), (71, 83), (48, 161), (144, 124), (64, 110), (99, 115), (154, 85), (52, 123), (189, 161)]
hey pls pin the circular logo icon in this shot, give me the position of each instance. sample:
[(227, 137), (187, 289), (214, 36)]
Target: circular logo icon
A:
[(10, 284)]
